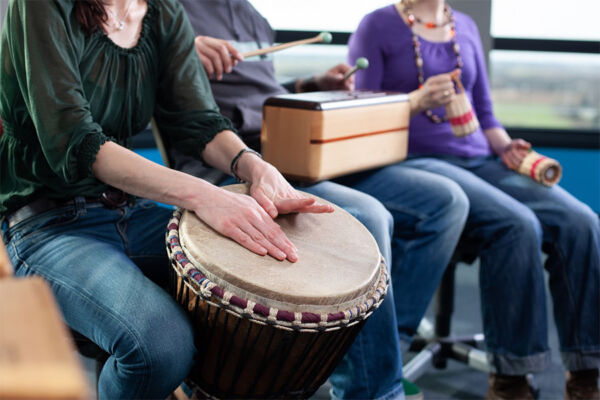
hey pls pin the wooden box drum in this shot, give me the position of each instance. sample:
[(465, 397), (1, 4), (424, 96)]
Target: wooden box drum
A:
[(322, 135), (268, 328)]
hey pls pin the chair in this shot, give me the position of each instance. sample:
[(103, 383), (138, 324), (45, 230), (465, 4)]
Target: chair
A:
[(434, 344)]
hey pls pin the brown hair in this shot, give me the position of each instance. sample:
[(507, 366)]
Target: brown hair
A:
[(91, 14)]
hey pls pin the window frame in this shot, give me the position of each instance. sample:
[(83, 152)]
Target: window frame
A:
[(567, 138)]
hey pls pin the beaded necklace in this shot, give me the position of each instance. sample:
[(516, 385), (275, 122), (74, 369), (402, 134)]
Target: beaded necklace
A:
[(419, 58), (429, 25)]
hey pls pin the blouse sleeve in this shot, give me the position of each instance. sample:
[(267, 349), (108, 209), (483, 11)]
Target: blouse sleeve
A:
[(45, 56), (482, 101), (366, 42), (186, 113)]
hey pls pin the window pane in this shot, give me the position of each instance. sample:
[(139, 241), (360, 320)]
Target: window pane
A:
[(305, 61), (546, 19), (546, 90), (316, 15)]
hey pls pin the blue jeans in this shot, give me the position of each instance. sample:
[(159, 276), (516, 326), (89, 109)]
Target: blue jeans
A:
[(416, 218), (429, 213), (106, 268), (511, 219)]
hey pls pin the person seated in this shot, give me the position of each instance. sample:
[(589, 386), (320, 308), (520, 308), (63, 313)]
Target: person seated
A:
[(416, 228), (79, 79), (415, 47)]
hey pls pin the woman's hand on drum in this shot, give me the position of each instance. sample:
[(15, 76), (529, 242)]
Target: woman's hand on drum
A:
[(242, 219), (513, 154), (276, 196), (437, 91), (270, 189)]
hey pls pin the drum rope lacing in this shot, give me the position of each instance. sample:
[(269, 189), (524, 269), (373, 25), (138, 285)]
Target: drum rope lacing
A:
[(197, 282)]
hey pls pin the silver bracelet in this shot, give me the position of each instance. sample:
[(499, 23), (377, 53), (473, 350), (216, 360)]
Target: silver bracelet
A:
[(237, 157)]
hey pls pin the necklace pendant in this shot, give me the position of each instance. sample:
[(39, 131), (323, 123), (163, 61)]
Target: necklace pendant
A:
[(120, 25)]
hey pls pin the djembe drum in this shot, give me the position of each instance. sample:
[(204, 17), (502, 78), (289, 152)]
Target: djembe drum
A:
[(268, 328)]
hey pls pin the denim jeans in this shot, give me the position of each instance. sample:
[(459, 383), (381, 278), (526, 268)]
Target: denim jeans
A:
[(429, 213), (511, 219), (416, 217), (106, 268)]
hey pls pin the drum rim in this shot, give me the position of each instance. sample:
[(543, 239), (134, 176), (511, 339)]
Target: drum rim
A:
[(228, 300)]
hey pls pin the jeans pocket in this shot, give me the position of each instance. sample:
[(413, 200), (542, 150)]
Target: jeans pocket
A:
[(41, 223)]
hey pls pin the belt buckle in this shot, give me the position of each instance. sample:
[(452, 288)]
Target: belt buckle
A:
[(114, 198)]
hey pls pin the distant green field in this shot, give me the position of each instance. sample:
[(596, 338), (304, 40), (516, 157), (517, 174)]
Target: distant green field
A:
[(531, 115)]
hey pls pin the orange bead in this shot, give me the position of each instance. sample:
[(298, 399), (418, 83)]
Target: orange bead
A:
[(430, 25)]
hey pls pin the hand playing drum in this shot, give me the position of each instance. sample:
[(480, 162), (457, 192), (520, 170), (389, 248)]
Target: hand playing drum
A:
[(248, 220), (269, 329)]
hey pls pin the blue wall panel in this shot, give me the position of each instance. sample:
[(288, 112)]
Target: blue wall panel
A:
[(581, 171)]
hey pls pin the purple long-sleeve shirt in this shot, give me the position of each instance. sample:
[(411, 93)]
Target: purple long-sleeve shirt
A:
[(385, 39)]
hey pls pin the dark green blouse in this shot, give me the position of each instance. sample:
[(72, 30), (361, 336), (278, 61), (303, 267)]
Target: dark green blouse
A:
[(63, 93)]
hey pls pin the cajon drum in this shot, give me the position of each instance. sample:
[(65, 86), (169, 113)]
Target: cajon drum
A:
[(37, 357), (321, 135)]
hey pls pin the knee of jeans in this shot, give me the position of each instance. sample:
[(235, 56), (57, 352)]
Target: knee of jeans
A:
[(162, 351), (378, 220), (375, 216), (580, 223), (524, 227), (454, 202), (174, 353)]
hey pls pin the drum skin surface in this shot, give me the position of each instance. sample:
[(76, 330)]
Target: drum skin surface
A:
[(267, 328), (338, 260)]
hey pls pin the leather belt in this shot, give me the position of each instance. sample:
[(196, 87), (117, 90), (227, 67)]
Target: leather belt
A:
[(112, 198)]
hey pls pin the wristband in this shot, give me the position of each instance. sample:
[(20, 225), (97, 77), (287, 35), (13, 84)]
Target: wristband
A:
[(237, 157)]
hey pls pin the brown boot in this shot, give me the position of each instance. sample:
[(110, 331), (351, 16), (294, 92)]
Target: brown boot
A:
[(582, 385), (508, 387)]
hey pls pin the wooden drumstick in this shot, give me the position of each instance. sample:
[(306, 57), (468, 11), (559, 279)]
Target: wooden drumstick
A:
[(361, 63), (324, 37), (6, 269)]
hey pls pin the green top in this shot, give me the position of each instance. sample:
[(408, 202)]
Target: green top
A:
[(64, 93)]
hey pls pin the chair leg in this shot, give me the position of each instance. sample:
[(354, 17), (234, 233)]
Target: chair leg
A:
[(444, 299), (442, 346)]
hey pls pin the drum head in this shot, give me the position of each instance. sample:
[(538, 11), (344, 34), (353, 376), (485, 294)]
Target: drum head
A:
[(339, 261)]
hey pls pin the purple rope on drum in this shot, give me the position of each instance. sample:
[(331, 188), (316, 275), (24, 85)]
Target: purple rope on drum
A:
[(240, 305)]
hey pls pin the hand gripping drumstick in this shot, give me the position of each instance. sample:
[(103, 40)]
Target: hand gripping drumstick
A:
[(361, 63), (324, 37)]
